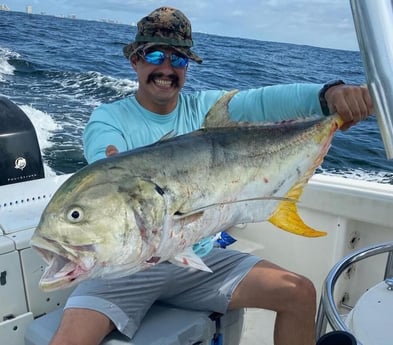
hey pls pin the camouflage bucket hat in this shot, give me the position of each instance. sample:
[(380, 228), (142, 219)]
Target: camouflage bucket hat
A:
[(165, 26)]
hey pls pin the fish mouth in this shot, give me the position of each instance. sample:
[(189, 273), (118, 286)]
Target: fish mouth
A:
[(64, 270)]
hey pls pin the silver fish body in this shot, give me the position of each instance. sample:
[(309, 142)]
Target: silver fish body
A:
[(134, 210)]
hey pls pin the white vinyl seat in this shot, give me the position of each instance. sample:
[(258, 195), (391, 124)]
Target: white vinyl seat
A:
[(163, 325)]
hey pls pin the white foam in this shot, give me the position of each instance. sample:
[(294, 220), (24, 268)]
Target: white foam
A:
[(362, 174), (80, 86), (5, 67), (44, 125)]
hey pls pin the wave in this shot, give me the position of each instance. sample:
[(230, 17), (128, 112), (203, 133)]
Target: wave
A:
[(61, 69), (43, 124), (5, 67), (96, 86), (44, 127), (384, 177)]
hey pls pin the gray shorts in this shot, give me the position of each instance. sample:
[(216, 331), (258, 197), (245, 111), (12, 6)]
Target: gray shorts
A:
[(126, 300)]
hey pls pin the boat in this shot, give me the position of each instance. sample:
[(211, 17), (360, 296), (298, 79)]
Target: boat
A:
[(356, 214), (351, 267)]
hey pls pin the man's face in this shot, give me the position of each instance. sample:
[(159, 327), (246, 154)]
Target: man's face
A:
[(159, 84)]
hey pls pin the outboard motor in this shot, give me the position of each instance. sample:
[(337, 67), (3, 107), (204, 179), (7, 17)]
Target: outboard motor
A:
[(20, 155)]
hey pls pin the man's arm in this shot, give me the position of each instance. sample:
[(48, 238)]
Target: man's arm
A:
[(99, 133), (276, 103), (285, 102)]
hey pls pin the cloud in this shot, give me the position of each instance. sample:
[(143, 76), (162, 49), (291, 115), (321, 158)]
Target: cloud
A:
[(326, 23)]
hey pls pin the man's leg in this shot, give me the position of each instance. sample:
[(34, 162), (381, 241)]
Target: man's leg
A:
[(98, 306), (82, 326), (293, 297)]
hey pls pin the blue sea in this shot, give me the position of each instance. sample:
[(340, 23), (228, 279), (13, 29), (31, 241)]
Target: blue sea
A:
[(58, 70)]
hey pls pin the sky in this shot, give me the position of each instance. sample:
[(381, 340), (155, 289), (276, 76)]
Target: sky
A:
[(321, 23)]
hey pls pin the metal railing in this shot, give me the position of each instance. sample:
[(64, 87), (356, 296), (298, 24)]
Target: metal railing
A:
[(373, 21), (328, 312)]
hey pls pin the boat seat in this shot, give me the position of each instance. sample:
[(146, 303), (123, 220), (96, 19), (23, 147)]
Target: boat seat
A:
[(328, 311), (162, 325), (371, 318)]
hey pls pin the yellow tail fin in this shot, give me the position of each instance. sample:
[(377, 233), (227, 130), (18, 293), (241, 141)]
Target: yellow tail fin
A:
[(286, 216)]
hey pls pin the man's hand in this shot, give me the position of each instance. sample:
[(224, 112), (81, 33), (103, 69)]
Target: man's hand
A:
[(111, 150), (352, 103)]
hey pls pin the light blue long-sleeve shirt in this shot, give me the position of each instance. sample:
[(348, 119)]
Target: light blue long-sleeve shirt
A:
[(127, 125)]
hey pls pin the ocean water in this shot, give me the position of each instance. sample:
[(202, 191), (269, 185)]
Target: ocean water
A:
[(58, 70)]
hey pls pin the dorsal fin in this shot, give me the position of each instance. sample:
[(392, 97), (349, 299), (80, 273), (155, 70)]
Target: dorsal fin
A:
[(218, 115)]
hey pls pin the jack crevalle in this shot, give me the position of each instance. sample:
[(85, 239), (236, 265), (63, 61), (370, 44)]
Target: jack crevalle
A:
[(134, 210)]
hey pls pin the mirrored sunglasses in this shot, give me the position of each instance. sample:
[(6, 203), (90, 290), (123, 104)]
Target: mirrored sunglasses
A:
[(158, 57)]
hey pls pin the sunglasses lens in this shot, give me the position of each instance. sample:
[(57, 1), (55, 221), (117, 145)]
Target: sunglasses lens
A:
[(178, 61), (157, 58)]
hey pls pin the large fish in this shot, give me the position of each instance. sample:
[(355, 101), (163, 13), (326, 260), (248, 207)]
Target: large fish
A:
[(134, 210)]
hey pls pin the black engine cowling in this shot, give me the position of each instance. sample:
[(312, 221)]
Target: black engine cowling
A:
[(20, 155)]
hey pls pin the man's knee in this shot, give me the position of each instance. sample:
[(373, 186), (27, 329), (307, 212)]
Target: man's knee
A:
[(302, 292), (82, 326)]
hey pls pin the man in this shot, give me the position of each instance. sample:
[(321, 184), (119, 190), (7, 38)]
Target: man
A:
[(160, 55)]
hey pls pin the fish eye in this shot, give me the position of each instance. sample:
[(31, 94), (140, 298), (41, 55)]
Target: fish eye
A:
[(75, 214)]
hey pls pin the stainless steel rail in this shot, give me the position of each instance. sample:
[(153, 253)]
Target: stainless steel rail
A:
[(327, 311), (374, 28)]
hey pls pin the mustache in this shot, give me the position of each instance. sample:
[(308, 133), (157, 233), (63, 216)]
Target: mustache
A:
[(157, 75)]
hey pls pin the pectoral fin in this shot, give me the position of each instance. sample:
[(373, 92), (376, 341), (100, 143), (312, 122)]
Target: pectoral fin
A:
[(188, 258)]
